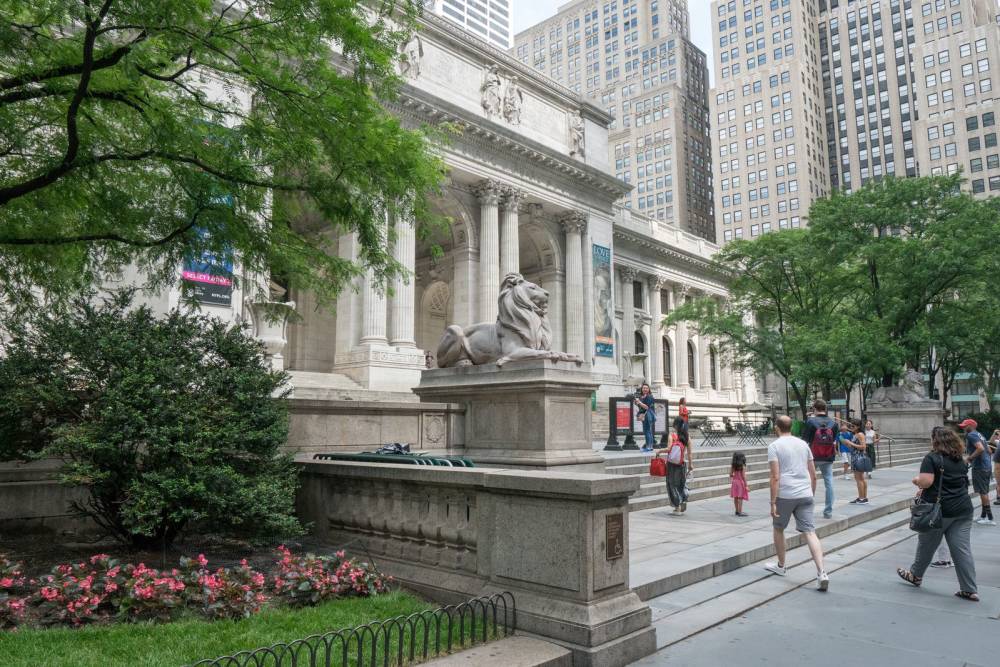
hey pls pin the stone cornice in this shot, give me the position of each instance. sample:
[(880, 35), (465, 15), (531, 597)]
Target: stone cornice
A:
[(665, 250), (493, 137)]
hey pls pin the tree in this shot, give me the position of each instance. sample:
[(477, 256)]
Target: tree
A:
[(791, 289), (905, 243), (146, 132), (165, 422)]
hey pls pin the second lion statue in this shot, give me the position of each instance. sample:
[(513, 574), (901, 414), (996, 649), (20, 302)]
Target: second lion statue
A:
[(521, 330)]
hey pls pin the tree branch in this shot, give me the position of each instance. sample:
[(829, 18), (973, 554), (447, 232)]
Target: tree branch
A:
[(116, 238)]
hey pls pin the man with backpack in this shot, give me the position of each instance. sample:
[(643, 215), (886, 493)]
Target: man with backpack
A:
[(820, 432)]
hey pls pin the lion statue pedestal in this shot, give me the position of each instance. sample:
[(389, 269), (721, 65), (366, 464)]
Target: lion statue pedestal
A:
[(904, 411), (533, 413), (526, 406)]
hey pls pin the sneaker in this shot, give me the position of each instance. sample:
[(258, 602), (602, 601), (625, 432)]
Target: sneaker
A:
[(997, 501), (845, 478), (862, 501), (855, 501), (742, 514), (983, 521), (827, 515), (823, 581), (684, 507), (941, 563), (775, 568)]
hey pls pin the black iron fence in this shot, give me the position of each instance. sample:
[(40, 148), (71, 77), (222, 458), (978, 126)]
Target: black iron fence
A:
[(397, 641)]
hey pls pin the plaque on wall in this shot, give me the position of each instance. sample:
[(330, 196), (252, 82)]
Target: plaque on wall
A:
[(615, 535)]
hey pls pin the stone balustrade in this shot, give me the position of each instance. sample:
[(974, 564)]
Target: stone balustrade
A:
[(557, 541)]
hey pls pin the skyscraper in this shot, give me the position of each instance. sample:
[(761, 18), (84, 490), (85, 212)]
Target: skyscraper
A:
[(769, 133), (637, 60), (907, 90), (489, 20)]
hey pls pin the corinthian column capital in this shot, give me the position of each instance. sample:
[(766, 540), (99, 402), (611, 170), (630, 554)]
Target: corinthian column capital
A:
[(488, 191), (574, 221)]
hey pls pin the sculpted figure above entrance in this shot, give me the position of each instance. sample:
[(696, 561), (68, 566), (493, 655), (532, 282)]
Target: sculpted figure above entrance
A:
[(521, 331)]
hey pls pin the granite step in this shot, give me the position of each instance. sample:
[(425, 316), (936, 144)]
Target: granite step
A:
[(516, 651)]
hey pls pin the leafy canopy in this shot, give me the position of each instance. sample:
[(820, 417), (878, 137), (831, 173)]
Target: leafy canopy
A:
[(164, 422), (136, 132), (880, 277)]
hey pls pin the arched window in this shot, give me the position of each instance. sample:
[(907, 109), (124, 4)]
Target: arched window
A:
[(713, 359), (640, 343), (692, 367), (667, 376)]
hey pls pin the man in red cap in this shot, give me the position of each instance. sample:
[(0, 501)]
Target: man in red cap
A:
[(979, 461)]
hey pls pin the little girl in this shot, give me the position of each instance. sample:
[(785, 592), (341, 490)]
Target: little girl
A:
[(738, 489)]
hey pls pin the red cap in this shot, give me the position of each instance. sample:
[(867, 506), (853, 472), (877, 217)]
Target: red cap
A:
[(969, 422)]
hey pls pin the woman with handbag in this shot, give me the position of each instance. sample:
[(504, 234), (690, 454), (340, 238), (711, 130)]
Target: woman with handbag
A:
[(646, 405), (679, 464), (943, 509), (860, 462)]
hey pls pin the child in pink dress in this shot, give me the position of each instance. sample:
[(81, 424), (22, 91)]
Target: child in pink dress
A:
[(738, 489)]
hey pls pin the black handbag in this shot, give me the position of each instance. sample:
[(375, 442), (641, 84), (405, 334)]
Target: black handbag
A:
[(861, 462), (926, 516)]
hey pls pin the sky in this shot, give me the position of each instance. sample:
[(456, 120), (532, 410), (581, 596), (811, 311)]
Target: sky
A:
[(529, 12)]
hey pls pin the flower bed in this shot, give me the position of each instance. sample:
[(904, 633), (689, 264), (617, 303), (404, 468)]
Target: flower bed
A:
[(103, 590)]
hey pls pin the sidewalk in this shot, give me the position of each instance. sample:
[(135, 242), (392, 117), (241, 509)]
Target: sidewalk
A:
[(668, 552)]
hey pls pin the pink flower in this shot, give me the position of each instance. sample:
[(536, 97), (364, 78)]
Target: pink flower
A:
[(98, 557), (201, 560), (6, 582), (49, 593)]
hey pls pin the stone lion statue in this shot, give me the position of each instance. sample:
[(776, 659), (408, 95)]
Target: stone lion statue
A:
[(521, 331), (910, 390)]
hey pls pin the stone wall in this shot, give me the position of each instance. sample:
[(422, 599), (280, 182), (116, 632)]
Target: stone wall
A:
[(557, 541), (32, 500), (319, 425)]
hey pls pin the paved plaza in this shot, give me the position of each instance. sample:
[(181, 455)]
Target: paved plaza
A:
[(869, 616)]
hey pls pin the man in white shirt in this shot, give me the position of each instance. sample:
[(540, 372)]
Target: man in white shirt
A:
[(793, 484)]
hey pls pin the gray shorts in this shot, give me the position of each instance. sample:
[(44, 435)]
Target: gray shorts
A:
[(981, 481), (801, 508)]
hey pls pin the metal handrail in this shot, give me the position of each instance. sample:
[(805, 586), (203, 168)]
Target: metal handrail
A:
[(397, 641)]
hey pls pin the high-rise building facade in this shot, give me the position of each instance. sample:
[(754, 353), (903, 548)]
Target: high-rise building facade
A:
[(769, 133), (489, 20), (636, 58), (906, 90)]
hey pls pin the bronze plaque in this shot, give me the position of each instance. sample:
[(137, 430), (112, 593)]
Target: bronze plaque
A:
[(615, 535)]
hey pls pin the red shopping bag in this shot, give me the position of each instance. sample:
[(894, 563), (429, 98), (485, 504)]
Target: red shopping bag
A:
[(658, 467)]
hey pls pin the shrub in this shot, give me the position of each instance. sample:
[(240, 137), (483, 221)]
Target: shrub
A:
[(164, 421), (987, 422), (310, 579), (102, 590)]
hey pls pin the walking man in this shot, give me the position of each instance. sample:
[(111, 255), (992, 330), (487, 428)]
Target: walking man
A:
[(977, 455), (793, 483), (820, 432)]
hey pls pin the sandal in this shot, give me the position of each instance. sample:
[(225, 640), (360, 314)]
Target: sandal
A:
[(908, 577), (966, 595)]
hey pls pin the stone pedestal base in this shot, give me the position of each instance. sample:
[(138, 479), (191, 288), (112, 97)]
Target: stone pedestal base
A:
[(527, 414), (912, 421), (382, 368)]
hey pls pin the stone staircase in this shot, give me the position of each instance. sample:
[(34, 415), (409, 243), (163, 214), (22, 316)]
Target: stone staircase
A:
[(712, 465)]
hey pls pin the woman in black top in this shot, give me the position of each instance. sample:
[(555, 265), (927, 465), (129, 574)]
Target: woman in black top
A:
[(946, 458)]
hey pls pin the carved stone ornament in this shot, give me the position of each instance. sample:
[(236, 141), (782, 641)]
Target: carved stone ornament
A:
[(910, 391), (520, 332), (513, 101), (492, 95), (488, 191), (577, 139), (574, 221), (412, 52)]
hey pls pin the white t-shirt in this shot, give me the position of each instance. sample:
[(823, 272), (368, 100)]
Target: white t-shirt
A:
[(793, 457)]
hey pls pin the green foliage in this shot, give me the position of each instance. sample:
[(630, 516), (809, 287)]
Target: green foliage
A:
[(880, 277), (186, 641), (128, 137), (164, 421)]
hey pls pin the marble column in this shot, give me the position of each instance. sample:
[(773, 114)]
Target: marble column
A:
[(573, 224), (373, 312), (510, 247), (588, 297), (681, 337), (655, 334), (488, 193), (402, 307), (628, 276)]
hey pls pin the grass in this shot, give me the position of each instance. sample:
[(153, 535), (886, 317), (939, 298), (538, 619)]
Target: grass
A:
[(187, 641)]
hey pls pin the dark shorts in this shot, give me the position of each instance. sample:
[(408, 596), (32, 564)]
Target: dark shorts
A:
[(981, 481), (800, 508)]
